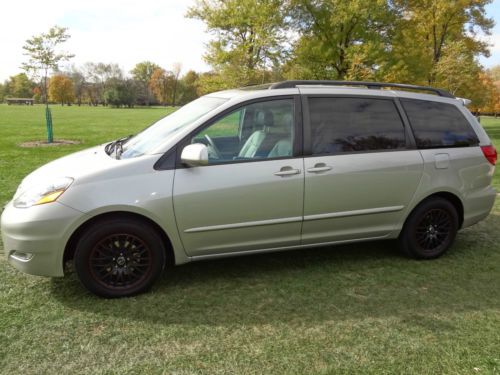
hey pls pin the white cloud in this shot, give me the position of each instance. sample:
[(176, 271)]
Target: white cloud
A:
[(125, 32)]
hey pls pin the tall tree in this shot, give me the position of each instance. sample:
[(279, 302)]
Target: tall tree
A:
[(20, 86), (79, 83), (339, 39), (161, 84), (142, 73), (176, 71), (98, 75), (44, 56), (248, 35), (61, 89), (189, 87), (121, 92), (3, 91), (429, 28)]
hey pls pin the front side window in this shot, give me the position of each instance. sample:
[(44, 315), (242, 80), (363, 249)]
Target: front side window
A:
[(437, 124), (262, 130), (340, 125)]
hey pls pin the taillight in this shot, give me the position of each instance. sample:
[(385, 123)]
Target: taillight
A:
[(490, 153)]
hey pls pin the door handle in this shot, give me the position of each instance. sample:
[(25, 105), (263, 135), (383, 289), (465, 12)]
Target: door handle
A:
[(319, 167), (287, 171)]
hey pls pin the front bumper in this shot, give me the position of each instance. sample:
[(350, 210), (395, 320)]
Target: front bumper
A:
[(34, 238)]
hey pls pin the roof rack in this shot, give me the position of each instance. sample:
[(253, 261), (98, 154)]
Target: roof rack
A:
[(370, 85)]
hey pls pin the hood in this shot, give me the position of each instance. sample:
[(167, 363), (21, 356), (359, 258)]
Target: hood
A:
[(75, 165)]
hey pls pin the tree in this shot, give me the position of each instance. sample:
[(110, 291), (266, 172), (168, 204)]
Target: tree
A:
[(2, 92), (20, 86), (161, 84), (249, 35), (79, 83), (490, 92), (188, 87), (142, 73), (44, 57), (494, 74), (176, 72), (339, 39), (61, 89), (121, 92), (97, 76), (430, 27)]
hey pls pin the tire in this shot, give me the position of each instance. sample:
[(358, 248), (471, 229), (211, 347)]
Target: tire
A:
[(430, 229), (119, 258)]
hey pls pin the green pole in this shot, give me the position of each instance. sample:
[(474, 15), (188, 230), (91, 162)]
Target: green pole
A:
[(48, 119)]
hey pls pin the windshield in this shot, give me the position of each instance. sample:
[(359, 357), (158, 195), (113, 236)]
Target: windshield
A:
[(153, 136)]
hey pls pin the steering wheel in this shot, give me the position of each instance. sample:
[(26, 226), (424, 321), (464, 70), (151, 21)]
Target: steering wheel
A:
[(215, 149)]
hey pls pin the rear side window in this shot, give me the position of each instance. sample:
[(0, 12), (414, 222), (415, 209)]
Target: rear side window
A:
[(341, 125), (438, 125)]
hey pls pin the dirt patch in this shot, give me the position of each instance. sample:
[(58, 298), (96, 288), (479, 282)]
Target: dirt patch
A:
[(56, 142)]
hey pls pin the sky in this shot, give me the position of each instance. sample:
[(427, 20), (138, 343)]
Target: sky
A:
[(127, 32), (111, 31)]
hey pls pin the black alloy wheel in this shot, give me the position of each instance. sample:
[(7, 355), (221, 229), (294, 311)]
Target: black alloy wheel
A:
[(119, 257), (430, 229), (120, 261)]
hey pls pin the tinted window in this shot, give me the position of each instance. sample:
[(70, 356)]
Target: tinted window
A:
[(438, 125), (354, 124)]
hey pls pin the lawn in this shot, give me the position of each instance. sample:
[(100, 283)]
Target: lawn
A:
[(350, 309)]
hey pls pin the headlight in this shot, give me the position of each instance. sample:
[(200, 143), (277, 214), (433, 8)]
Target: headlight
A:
[(43, 193)]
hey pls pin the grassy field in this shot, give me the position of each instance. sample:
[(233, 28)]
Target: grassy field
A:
[(351, 309)]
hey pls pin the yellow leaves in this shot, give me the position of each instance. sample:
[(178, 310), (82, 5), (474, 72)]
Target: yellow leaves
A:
[(61, 89)]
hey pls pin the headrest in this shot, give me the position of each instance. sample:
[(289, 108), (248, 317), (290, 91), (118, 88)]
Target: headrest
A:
[(282, 126), (265, 118)]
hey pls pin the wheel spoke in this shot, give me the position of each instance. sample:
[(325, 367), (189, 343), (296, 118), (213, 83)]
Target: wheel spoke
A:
[(120, 261), (433, 229)]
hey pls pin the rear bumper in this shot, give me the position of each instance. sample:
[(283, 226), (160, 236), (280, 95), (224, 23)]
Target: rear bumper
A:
[(478, 205), (34, 238)]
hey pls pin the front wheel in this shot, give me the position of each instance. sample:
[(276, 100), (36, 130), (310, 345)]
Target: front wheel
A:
[(119, 258), (430, 229)]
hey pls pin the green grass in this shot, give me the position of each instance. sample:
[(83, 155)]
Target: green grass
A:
[(351, 309)]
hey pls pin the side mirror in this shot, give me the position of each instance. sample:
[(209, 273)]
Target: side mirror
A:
[(195, 155)]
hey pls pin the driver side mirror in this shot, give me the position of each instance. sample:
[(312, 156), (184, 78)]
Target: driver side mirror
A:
[(195, 155)]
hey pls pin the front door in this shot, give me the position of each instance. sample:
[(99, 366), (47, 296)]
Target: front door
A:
[(250, 196)]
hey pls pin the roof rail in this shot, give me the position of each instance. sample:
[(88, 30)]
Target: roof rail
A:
[(370, 85)]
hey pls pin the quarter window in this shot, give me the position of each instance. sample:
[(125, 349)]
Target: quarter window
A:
[(437, 124), (340, 125)]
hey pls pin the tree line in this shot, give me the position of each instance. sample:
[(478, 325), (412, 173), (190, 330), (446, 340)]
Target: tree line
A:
[(422, 42), (107, 84)]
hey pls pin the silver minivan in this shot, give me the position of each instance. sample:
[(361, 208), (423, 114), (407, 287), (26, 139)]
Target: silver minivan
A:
[(288, 165)]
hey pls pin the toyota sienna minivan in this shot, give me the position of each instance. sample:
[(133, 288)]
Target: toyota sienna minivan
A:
[(289, 165)]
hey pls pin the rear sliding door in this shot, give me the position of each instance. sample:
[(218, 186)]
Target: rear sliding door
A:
[(361, 173)]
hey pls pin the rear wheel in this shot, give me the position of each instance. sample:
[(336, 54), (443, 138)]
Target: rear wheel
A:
[(430, 229), (119, 257)]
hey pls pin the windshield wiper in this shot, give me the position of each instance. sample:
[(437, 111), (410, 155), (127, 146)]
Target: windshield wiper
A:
[(116, 146)]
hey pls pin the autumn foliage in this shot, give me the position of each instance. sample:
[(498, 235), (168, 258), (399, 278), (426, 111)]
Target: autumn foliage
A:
[(61, 89)]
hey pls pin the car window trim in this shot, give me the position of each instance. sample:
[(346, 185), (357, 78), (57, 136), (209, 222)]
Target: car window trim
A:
[(297, 146), (306, 121)]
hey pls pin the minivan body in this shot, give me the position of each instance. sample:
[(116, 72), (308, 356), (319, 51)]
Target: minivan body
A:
[(255, 170)]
